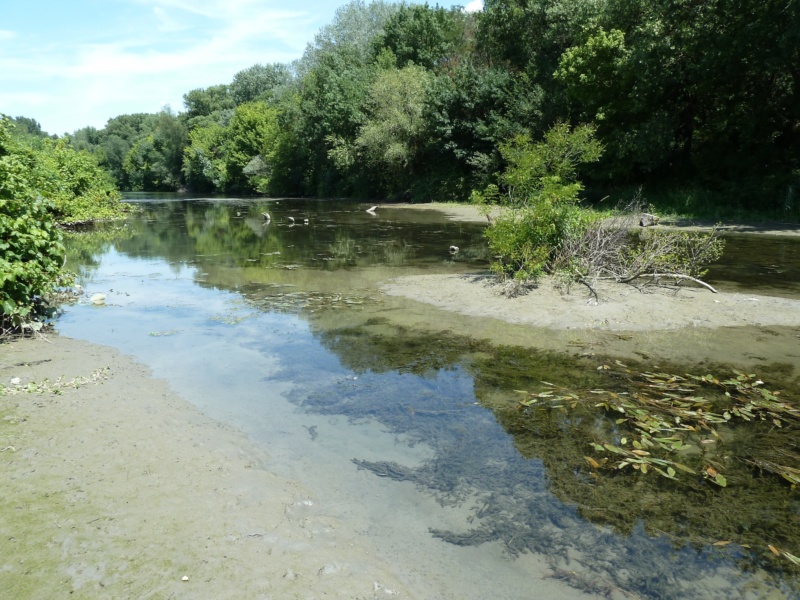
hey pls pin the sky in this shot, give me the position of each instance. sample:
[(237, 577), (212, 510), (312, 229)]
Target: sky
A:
[(76, 63)]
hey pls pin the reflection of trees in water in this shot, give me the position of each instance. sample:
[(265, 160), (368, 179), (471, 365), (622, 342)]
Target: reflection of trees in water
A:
[(225, 235), (535, 493), (86, 246)]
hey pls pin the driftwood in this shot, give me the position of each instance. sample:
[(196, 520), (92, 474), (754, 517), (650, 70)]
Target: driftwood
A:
[(668, 275)]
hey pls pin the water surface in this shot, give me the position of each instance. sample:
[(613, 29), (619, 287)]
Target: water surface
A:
[(405, 419)]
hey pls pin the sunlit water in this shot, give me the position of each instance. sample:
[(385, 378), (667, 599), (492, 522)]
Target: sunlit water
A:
[(280, 329)]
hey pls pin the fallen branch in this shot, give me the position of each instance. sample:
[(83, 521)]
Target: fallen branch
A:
[(592, 291), (689, 277)]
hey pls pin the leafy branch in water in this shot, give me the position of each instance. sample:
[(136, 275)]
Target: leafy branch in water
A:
[(663, 415)]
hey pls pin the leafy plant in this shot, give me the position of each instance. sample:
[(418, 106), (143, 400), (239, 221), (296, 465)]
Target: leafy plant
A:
[(31, 249), (539, 190), (42, 183)]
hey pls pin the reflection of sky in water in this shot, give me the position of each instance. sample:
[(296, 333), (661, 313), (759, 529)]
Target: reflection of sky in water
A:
[(241, 365)]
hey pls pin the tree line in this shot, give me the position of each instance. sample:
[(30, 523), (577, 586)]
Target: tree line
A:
[(405, 101)]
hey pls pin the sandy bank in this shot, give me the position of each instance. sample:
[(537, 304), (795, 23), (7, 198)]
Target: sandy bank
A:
[(117, 488), (621, 307)]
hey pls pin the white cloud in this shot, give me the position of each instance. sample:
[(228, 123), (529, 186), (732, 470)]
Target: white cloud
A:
[(80, 82), (24, 98), (166, 24), (164, 49), (474, 6)]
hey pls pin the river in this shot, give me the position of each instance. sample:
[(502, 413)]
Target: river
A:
[(406, 422)]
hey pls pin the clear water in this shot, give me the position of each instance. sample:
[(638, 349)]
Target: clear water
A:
[(402, 421)]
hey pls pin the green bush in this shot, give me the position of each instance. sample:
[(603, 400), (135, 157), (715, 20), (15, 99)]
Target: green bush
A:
[(79, 189), (31, 249), (539, 194)]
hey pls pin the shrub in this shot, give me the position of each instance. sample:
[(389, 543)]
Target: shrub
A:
[(539, 190), (31, 249)]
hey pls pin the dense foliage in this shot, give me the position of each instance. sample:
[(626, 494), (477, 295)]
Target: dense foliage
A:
[(541, 196), (411, 101), (43, 182)]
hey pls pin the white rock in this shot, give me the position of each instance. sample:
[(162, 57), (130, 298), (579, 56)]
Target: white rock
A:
[(99, 299)]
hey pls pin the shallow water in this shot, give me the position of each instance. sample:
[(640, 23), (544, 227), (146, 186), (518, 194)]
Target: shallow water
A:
[(403, 419)]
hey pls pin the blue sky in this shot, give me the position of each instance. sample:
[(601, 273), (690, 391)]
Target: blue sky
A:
[(73, 63)]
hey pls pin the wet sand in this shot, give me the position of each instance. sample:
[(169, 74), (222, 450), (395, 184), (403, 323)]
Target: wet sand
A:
[(118, 488)]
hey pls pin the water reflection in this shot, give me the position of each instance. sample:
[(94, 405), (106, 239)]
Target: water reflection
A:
[(769, 263), (535, 495), (268, 310)]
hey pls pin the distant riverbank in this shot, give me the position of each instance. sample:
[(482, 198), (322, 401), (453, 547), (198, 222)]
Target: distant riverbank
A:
[(472, 213)]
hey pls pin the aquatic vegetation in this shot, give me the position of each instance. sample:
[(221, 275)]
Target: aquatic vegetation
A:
[(535, 491), (295, 302), (664, 414), (700, 434), (537, 494)]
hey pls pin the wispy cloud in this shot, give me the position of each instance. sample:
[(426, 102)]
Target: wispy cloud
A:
[(136, 55), (166, 23), (173, 47)]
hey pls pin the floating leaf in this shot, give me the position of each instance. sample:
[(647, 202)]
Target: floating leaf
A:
[(721, 543), (592, 462), (720, 480), (684, 468), (775, 551)]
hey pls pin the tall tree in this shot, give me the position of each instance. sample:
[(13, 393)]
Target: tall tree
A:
[(422, 35), (259, 82)]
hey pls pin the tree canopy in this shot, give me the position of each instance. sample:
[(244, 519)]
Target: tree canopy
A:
[(416, 101)]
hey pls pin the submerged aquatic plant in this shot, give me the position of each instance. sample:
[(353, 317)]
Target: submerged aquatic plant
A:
[(666, 414), (692, 429)]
